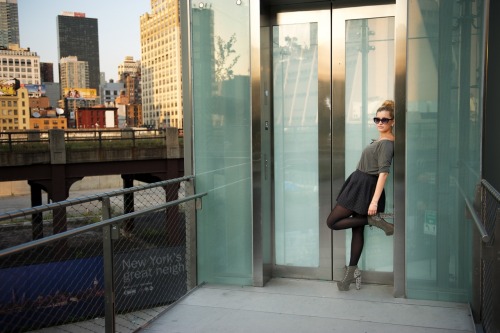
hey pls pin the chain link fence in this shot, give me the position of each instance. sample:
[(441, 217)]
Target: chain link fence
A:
[(490, 258), (109, 262)]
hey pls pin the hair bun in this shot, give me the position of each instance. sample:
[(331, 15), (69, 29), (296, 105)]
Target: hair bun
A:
[(388, 104)]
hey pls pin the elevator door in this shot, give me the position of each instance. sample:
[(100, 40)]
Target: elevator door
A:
[(331, 69)]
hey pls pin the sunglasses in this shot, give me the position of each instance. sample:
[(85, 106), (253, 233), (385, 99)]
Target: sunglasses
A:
[(377, 120)]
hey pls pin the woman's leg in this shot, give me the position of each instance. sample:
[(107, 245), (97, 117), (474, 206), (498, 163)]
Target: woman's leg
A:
[(357, 243), (342, 218)]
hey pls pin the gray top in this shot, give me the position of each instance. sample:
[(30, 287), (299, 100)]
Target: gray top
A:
[(377, 157)]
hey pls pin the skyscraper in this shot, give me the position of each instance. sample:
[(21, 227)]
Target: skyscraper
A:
[(9, 23), (74, 74), (78, 36), (161, 65)]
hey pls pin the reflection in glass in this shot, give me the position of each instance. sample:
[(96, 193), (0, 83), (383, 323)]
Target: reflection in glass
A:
[(369, 81), (222, 147), (443, 145), (295, 54)]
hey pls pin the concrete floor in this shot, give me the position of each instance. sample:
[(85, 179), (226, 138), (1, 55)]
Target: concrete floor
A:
[(291, 305)]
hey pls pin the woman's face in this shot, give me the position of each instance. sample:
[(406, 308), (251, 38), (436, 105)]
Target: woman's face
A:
[(384, 127)]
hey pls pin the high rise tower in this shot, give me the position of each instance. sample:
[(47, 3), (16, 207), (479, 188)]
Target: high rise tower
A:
[(74, 74), (161, 65), (9, 23), (78, 36)]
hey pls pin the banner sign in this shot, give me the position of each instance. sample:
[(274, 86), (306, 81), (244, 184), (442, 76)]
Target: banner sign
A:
[(35, 89), (150, 277), (80, 93), (49, 294), (9, 87)]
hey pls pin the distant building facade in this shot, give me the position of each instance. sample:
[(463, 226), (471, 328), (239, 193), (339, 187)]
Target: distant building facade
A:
[(127, 67), (47, 71), (20, 63), (14, 111), (132, 112), (110, 91), (97, 117), (84, 46), (161, 75), (9, 23), (48, 123), (53, 92), (73, 73)]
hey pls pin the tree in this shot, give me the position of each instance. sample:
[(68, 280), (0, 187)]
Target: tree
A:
[(223, 53)]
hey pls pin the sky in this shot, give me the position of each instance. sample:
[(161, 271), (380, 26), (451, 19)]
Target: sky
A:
[(118, 24)]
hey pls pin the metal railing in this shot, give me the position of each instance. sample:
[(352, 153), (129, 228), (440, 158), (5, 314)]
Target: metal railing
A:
[(131, 137), (125, 254), (476, 217), (486, 259)]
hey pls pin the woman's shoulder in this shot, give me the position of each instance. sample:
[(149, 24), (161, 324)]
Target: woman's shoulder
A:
[(385, 144)]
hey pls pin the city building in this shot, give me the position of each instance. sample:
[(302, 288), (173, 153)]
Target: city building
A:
[(74, 91), (134, 115), (97, 117), (48, 122), (85, 46), (9, 23), (129, 73), (108, 94), (53, 92), (73, 74), (133, 88), (109, 91), (127, 67), (132, 112), (20, 63), (102, 78), (14, 111), (161, 73), (47, 72), (43, 116), (273, 152)]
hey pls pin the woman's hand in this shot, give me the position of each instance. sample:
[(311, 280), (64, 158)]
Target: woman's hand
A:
[(372, 209)]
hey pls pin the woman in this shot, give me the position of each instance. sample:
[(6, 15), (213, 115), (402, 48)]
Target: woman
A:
[(362, 196)]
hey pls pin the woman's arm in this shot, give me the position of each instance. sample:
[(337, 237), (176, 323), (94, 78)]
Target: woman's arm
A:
[(382, 177)]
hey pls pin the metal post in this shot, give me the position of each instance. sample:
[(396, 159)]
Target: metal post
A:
[(109, 290)]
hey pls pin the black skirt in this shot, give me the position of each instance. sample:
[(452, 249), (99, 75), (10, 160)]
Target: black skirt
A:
[(357, 193)]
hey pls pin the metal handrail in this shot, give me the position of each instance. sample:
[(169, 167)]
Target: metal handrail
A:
[(491, 189), (61, 204), (477, 221), (107, 222)]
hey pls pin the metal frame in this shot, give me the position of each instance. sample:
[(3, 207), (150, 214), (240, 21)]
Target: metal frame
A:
[(323, 18), (399, 261), (337, 80), (339, 17)]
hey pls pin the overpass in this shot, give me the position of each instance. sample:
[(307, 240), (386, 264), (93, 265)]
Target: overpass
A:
[(52, 161)]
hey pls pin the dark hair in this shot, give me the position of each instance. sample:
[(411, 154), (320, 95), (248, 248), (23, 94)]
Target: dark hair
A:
[(387, 105)]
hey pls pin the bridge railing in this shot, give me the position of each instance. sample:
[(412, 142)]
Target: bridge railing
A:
[(35, 140), (125, 256)]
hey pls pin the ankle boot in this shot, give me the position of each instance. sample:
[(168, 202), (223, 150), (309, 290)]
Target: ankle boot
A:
[(352, 274), (379, 222)]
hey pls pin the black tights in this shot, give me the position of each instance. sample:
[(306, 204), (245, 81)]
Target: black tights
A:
[(342, 218)]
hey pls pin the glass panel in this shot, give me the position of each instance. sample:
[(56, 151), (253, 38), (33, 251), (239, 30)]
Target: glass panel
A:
[(443, 145), (222, 127), (369, 81), (295, 63)]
